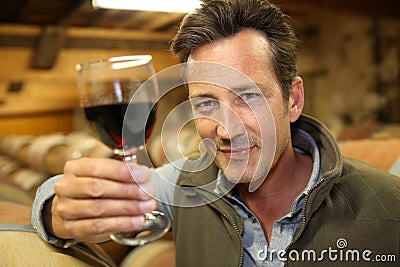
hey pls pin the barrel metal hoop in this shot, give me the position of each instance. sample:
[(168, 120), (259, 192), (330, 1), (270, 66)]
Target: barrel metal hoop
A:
[(17, 227)]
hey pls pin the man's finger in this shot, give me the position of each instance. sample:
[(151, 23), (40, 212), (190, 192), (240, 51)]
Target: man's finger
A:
[(93, 208), (107, 169), (89, 187)]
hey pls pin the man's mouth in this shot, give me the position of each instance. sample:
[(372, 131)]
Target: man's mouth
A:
[(237, 152)]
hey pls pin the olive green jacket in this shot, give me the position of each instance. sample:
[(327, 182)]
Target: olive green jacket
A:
[(350, 216)]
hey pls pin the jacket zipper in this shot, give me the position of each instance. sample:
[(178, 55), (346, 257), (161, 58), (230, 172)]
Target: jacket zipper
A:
[(303, 208), (239, 236), (303, 211), (236, 229)]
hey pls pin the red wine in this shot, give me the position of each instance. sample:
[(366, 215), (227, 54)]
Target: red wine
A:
[(108, 122)]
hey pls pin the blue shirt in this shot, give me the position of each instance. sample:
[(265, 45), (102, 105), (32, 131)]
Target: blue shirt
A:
[(257, 251)]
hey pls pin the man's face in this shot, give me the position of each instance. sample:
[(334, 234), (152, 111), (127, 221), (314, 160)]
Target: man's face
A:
[(246, 119)]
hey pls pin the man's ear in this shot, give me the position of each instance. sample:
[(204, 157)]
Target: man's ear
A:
[(296, 100)]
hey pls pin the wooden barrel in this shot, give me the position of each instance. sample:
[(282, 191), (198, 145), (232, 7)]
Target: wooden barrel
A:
[(7, 166), (21, 246), (46, 153), (15, 145), (27, 179), (155, 254), (170, 146), (98, 151), (79, 143), (370, 130), (383, 153), (12, 193)]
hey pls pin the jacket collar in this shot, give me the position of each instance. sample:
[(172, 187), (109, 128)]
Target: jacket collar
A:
[(331, 159)]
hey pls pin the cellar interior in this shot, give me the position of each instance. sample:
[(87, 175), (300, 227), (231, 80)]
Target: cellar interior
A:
[(349, 59)]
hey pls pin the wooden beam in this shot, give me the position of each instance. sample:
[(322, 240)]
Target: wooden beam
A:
[(118, 34), (151, 21), (382, 8), (50, 43), (74, 11), (29, 36)]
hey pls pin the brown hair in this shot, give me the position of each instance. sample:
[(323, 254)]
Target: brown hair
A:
[(218, 19)]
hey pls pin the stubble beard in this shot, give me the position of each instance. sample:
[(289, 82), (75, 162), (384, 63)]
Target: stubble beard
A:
[(255, 166)]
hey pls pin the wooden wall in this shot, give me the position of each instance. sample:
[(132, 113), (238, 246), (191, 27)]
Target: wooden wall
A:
[(40, 101)]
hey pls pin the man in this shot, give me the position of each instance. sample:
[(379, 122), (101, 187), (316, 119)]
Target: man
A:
[(302, 204)]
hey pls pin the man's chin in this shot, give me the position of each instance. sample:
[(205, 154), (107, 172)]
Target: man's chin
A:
[(237, 177), (235, 171)]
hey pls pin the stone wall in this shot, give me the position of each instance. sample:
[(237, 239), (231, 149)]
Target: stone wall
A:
[(351, 68)]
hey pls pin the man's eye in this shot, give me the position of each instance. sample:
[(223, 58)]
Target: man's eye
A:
[(204, 105), (248, 97), (207, 103)]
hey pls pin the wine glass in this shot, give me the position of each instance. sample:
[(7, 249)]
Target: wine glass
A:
[(118, 96)]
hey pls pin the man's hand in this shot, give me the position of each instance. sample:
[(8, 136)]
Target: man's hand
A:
[(97, 197)]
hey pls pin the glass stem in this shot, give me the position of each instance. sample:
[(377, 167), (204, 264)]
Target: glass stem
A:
[(125, 155)]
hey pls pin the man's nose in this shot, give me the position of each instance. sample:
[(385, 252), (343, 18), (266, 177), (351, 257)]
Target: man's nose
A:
[(229, 123)]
